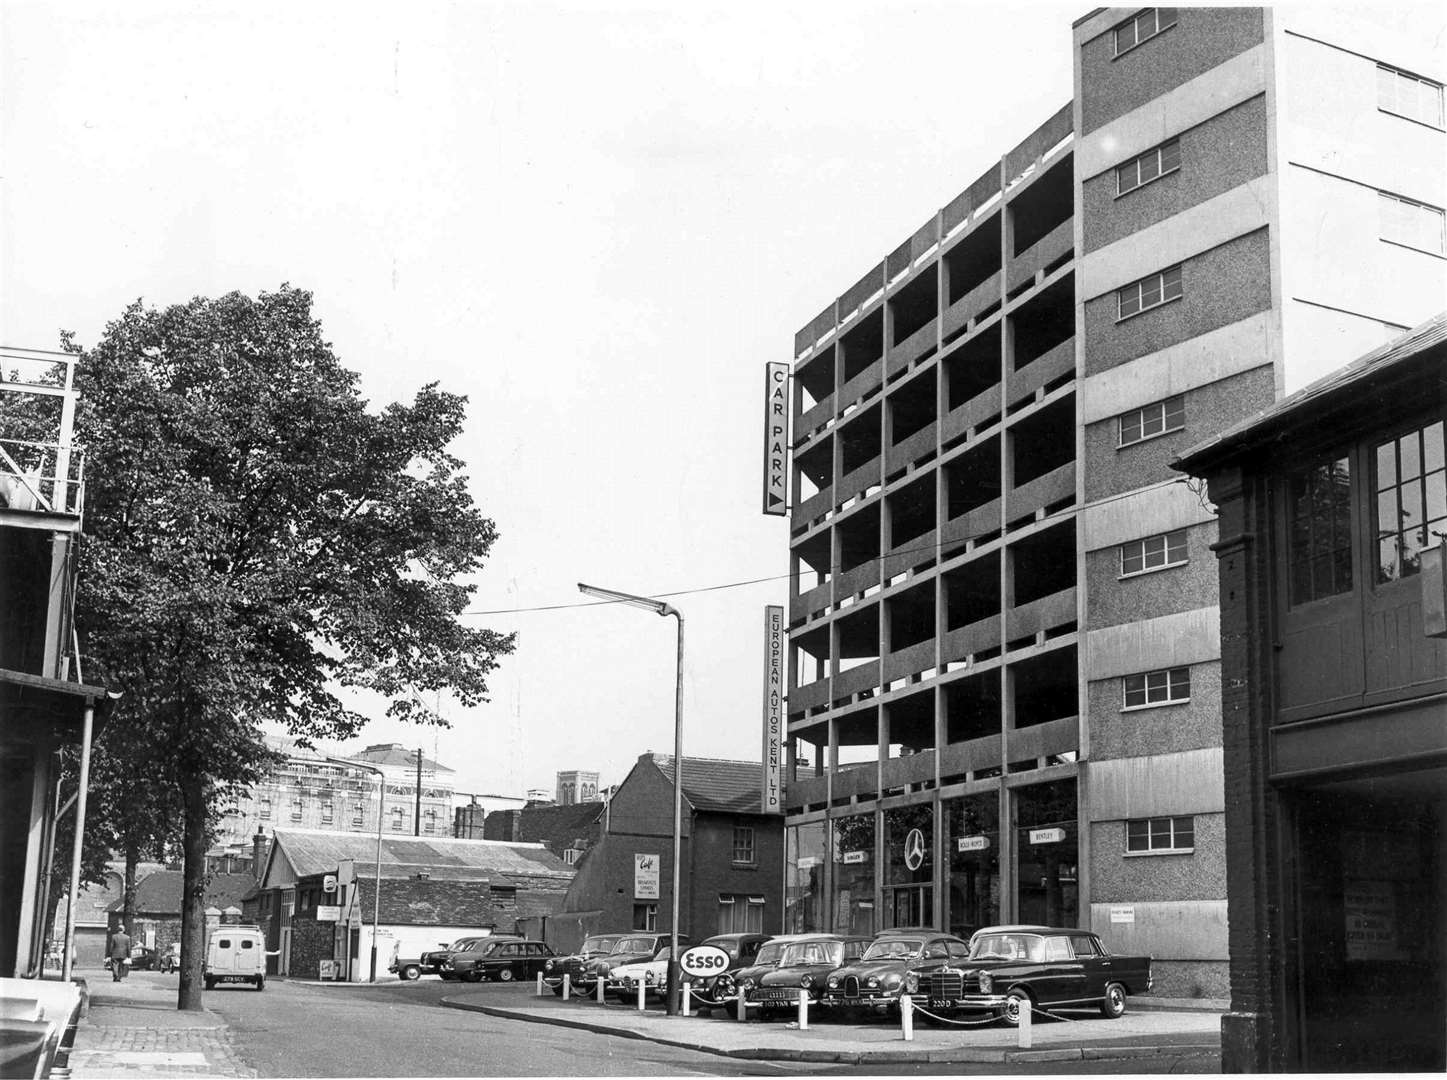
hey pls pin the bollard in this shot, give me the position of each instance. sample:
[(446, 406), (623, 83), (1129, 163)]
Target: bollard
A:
[(906, 1016), (540, 984), (602, 992), (741, 1009), (687, 999), (567, 985), (1026, 1009), (642, 996), (803, 1009)]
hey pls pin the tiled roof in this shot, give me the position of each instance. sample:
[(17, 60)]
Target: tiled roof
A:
[(557, 826), (716, 784), (1342, 388), (410, 902), (315, 852), (159, 893)]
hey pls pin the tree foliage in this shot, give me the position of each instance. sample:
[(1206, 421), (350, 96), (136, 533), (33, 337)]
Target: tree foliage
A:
[(258, 540)]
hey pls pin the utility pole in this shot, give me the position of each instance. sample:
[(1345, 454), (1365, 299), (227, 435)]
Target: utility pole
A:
[(417, 817)]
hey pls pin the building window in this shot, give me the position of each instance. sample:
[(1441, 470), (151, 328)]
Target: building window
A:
[(1142, 27), (1407, 95), (1411, 503), (1411, 224), (356, 813), (570, 855), (740, 914), (1149, 292), (265, 808), (1152, 165), (1160, 834), (1153, 553), (327, 810), (645, 916), (399, 819), (744, 845), (295, 809), (1151, 688), (1155, 419), (431, 823), (1320, 531)]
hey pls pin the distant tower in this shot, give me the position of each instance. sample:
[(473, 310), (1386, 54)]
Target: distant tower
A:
[(577, 787)]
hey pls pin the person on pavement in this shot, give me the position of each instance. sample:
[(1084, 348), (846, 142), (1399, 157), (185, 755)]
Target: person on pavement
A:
[(120, 954)]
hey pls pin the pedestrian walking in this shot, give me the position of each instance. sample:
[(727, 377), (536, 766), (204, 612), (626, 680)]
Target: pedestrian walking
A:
[(120, 954)]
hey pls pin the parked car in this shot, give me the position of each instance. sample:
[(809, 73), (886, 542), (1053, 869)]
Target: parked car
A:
[(502, 960), (727, 986), (431, 962), (877, 979), (594, 947), (743, 950), (804, 965), (624, 979), (1017, 967), (415, 950), (634, 947)]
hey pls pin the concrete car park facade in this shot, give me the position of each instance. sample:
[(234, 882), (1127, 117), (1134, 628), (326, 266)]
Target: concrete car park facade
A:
[(1005, 688)]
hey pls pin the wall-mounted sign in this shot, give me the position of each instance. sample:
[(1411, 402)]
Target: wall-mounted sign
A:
[(645, 877), (972, 843), (855, 857), (914, 849), (1122, 913), (329, 912), (329, 883), (807, 861), (1046, 836), (771, 801), (776, 439)]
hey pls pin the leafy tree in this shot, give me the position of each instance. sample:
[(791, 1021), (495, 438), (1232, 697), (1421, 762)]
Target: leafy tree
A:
[(257, 541)]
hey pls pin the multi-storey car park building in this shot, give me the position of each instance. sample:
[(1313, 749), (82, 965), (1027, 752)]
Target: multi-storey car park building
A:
[(1004, 628)]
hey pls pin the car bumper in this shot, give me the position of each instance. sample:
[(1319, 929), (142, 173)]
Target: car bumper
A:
[(879, 999)]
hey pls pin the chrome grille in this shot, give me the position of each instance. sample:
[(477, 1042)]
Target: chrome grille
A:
[(851, 986), (944, 984)]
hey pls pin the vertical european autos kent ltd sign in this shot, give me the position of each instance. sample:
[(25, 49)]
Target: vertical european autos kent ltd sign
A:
[(773, 802), (776, 439)]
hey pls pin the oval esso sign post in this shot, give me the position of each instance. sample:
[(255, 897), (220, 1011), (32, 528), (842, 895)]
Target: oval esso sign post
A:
[(704, 960)]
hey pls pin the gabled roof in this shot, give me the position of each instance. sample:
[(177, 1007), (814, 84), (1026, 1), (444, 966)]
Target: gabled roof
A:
[(716, 784), (160, 893), (309, 851)]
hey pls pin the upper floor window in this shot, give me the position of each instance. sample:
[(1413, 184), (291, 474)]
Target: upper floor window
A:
[(1149, 292), (1407, 95), (430, 824), (744, 844), (1153, 553), (356, 813), (399, 818), (1154, 419), (295, 809), (265, 808), (327, 810), (1152, 165), (1411, 510), (1412, 224), (1319, 531), (1138, 28), (1166, 687), (1160, 834)]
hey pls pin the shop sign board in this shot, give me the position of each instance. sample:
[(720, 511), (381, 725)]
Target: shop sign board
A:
[(771, 799), (1046, 836), (972, 843), (329, 913), (776, 439), (1122, 913), (645, 876), (855, 857)]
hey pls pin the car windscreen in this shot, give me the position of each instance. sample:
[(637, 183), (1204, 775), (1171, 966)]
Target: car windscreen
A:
[(769, 953), (1007, 947), (893, 949), (813, 952), (728, 945), (635, 944), (598, 944)]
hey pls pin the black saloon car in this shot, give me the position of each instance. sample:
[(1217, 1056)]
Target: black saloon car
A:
[(502, 960), (894, 961), (430, 962), (742, 950)]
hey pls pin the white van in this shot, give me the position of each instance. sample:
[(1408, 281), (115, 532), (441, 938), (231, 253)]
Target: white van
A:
[(236, 954)]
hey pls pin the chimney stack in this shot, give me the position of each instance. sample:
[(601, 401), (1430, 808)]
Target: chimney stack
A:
[(259, 846)]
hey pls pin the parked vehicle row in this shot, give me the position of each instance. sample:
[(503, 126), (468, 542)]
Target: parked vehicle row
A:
[(1000, 971)]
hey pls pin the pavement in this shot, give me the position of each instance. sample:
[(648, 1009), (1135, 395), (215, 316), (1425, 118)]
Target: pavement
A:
[(133, 1029)]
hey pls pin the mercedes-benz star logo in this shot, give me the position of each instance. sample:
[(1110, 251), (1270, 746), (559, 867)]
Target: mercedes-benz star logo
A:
[(914, 849)]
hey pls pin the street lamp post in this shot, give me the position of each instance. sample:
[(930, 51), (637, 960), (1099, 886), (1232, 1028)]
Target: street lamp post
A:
[(377, 887), (659, 607)]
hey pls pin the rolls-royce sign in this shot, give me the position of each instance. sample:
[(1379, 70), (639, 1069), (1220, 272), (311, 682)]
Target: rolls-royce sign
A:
[(973, 843)]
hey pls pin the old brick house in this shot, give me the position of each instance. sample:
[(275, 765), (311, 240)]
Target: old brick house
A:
[(731, 862), (566, 829)]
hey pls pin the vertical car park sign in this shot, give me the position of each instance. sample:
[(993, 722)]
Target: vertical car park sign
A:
[(776, 439), (772, 800)]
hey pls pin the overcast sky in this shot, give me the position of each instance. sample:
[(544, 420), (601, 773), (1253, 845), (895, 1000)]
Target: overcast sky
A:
[(597, 220)]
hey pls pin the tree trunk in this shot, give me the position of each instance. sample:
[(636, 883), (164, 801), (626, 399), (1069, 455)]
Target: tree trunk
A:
[(128, 894), (193, 892)]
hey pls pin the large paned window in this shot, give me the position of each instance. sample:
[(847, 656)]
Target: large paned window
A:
[(1149, 292), (1408, 95), (1143, 26), (739, 913), (1144, 835), (1411, 500), (1047, 853), (744, 846), (805, 853), (399, 819), (1152, 165), (1153, 553), (1411, 224), (972, 838), (1154, 419), (1320, 531), (1169, 686), (854, 871)]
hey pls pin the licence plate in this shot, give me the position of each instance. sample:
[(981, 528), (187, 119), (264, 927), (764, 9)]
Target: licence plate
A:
[(942, 1003), (234, 978)]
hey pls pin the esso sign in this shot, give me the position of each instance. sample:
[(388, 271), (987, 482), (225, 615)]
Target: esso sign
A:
[(704, 960)]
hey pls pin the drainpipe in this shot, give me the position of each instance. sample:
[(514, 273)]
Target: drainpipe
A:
[(82, 791)]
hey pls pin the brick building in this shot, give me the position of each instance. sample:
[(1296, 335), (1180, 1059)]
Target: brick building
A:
[(1333, 516), (1003, 623), (157, 922), (567, 830), (730, 856)]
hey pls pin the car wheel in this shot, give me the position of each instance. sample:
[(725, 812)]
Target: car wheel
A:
[(410, 973), (210, 984), (1015, 1002), (1112, 1006), (505, 975), (472, 976)]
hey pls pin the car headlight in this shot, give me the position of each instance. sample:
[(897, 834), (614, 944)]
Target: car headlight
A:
[(548, 966), (833, 982), (892, 980), (805, 981), (872, 982), (650, 977), (987, 984), (747, 984), (911, 982)]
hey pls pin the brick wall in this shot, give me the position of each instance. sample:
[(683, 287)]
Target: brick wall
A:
[(311, 942)]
